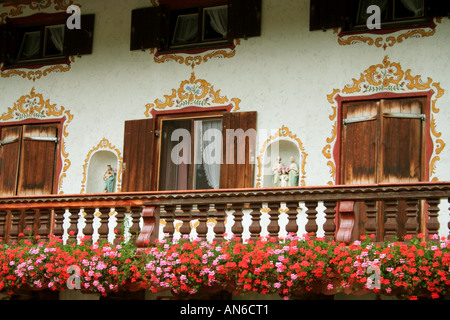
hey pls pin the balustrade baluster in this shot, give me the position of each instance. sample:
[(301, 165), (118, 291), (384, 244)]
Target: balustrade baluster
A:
[(390, 223), (433, 212), (120, 225), (273, 228), (103, 229), (3, 221), (292, 212), (218, 213), (58, 222), (311, 214), (89, 216), (412, 213), (371, 212), (255, 226), (202, 227), (73, 228), (16, 225), (29, 219), (135, 220), (329, 226), (182, 213), (43, 227), (237, 229), (166, 213)]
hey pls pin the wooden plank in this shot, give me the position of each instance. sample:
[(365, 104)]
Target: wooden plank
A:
[(9, 159)]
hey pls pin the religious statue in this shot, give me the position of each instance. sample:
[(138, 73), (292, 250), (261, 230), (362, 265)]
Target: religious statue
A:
[(293, 171), (109, 177), (276, 169), (284, 177)]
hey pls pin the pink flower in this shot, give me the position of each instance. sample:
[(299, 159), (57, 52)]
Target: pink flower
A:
[(330, 286)]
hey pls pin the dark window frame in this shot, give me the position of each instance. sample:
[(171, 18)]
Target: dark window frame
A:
[(76, 41)]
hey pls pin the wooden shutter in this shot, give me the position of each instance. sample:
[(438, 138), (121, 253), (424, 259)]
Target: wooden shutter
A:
[(244, 18), (138, 155), (237, 169), (9, 159), (37, 160), (438, 8), (79, 41), (325, 14), (3, 42), (401, 133), (359, 143), (146, 28)]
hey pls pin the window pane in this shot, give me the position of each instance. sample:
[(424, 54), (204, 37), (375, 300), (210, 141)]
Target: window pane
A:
[(54, 40), (207, 153), (30, 45), (186, 29), (215, 23)]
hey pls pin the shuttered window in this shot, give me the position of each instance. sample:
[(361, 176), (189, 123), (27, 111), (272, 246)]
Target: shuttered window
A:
[(200, 24), (44, 39), (383, 142), (28, 159), (211, 152)]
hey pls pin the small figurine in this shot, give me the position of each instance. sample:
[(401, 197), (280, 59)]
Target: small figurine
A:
[(284, 177), (293, 173), (109, 177), (276, 172)]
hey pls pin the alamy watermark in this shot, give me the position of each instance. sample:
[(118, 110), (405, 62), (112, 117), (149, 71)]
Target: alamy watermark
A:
[(74, 21), (374, 20)]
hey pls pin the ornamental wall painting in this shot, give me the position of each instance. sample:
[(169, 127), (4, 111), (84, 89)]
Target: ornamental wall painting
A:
[(33, 106), (387, 78), (387, 40), (34, 7), (193, 92)]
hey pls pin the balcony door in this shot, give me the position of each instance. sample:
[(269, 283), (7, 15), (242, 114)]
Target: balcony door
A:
[(383, 142), (28, 159)]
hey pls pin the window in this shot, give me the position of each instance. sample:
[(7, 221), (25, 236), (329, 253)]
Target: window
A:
[(28, 157), (201, 150), (43, 39), (199, 25), (351, 15)]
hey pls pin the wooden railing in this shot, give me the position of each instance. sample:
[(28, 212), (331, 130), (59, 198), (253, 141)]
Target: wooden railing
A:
[(334, 212)]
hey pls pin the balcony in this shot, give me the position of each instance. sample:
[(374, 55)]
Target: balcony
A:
[(342, 213)]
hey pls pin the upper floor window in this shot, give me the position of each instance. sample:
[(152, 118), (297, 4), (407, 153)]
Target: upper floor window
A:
[(43, 39), (352, 16), (174, 26)]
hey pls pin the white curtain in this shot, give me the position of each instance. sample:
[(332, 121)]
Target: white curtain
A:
[(219, 18), (186, 28), (57, 37), (30, 45), (210, 133), (415, 6)]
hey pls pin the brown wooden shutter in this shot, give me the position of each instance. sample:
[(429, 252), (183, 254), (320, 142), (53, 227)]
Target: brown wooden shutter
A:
[(244, 18), (401, 133), (9, 159), (326, 14), (438, 8), (79, 41), (146, 28), (237, 169), (359, 143), (3, 42), (37, 160), (138, 155)]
